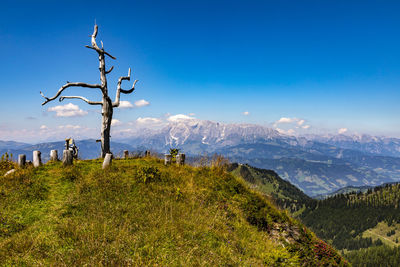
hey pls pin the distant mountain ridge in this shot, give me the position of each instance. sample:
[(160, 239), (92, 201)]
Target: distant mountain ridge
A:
[(308, 162), (200, 136), (316, 164), (206, 133), (376, 145)]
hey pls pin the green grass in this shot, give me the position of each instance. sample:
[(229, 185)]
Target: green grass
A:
[(140, 212), (380, 232)]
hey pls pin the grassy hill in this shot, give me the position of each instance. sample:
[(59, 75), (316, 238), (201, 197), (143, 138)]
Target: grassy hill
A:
[(283, 193), (140, 212)]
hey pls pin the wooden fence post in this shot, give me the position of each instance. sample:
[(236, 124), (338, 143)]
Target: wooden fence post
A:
[(37, 158), (21, 160), (54, 155), (67, 157), (167, 159), (180, 159)]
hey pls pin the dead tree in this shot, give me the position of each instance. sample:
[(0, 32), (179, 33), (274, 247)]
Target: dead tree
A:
[(106, 103)]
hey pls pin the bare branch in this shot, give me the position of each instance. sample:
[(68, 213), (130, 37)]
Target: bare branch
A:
[(130, 90), (82, 98), (88, 46), (106, 53), (108, 71), (65, 86), (120, 90), (95, 46), (94, 35), (100, 51)]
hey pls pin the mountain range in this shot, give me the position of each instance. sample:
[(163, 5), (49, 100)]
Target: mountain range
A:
[(317, 164)]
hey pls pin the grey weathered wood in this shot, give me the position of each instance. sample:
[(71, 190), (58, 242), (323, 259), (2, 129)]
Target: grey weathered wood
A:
[(21, 160), (106, 103), (37, 158), (54, 155), (9, 172), (107, 161), (126, 154), (68, 159), (167, 159), (147, 153), (180, 159)]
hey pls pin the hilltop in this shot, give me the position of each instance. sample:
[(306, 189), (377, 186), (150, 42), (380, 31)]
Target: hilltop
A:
[(140, 212)]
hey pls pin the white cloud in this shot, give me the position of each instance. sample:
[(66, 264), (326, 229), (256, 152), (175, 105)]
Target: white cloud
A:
[(191, 114), (68, 110), (291, 126), (44, 127), (125, 104), (286, 120), (115, 122), (300, 122), (148, 120), (296, 122), (179, 117), (69, 126), (141, 103), (342, 130), (246, 113)]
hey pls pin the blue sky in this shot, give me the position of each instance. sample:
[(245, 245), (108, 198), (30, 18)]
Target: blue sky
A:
[(333, 64)]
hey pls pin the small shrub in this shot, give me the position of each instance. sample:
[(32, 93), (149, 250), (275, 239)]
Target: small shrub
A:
[(178, 194), (6, 162), (220, 163), (391, 232), (174, 152), (148, 174)]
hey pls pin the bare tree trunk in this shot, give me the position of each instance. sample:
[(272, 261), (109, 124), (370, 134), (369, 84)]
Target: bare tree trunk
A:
[(107, 161), (107, 113)]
